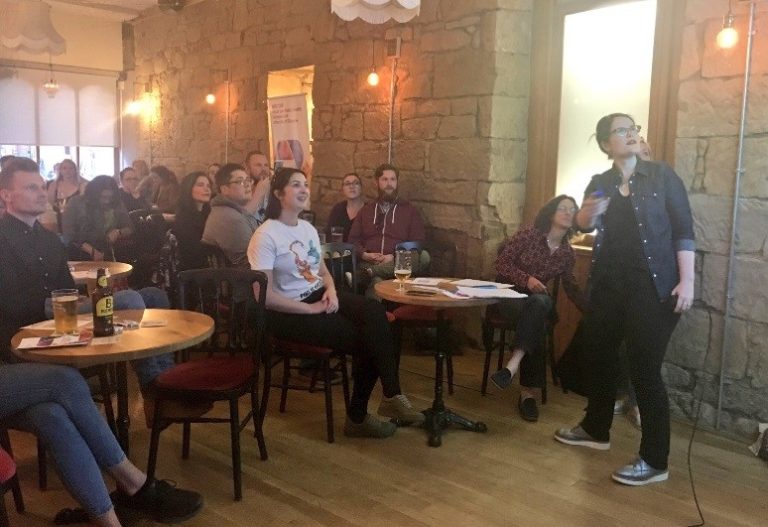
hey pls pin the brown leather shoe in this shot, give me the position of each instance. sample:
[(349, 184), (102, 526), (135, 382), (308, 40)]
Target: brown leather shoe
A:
[(175, 409)]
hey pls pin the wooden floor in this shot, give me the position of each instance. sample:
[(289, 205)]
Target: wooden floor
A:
[(515, 474)]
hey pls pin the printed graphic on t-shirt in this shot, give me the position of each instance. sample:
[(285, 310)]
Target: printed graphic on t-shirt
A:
[(305, 259)]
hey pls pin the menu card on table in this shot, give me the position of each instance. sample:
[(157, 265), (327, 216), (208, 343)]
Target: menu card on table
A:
[(82, 339)]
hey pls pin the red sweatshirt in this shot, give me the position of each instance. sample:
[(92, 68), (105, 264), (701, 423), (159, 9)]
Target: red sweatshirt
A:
[(375, 231)]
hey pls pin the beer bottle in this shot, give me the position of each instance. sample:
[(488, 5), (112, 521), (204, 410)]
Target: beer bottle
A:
[(103, 306)]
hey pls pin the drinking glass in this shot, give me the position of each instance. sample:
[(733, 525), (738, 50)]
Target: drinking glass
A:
[(64, 303), (337, 234), (402, 268)]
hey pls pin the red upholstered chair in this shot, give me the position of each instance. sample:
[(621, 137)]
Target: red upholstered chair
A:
[(230, 368), (341, 263), (493, 322), (442, 264), (8, 479)]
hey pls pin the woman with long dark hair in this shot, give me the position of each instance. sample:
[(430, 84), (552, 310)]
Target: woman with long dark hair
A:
[(641, 280), (535, 255), (96, 225), (191, 213), (303, 305)]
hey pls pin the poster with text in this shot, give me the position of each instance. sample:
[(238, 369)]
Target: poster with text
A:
[(289, 126)]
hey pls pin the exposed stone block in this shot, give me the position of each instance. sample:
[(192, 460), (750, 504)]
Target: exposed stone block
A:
[(376, 125), (352, 127), (409, 155), (421, 188), (433, 107), (445, 40), (507, 31), (420, 128), (464, 72), (758, 355), (715, 274), (690, 340), (333, 157), (457, 126), (676, 377), (754, 182), (513, 75), (370, 154), (467, 159), (712, 222), (464, 106), (503, 117), (509, 160), (737, 349), (690, 61), (508, 198), (750, 296)]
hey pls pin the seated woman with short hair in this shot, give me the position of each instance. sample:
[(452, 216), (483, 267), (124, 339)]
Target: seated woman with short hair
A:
[(303, 305)]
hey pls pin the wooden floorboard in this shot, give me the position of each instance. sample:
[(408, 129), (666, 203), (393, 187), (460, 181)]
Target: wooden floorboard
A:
[(515, 474)]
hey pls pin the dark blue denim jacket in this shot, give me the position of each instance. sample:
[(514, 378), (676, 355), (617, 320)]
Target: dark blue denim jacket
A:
[(663, 216)]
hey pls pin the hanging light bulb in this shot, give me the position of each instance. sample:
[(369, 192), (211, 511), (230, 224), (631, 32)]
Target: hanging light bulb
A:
[(373, 78), (51, 87), (210, 98), (728, 36)]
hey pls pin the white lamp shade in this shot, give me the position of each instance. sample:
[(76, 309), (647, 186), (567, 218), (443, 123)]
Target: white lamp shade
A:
[(26, 25), (376, 11)]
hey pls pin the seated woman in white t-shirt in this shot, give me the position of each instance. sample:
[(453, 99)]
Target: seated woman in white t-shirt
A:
[(303, 305)]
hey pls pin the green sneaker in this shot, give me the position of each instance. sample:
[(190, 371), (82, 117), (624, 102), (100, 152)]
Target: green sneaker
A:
[(370, 427)]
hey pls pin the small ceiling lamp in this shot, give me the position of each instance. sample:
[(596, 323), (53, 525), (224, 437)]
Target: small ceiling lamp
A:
[(51, 87), (376, 11), (210, 98), (26, 25), (728, 36)]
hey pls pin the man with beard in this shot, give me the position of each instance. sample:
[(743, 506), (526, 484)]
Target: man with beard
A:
[(381, 225), (257, 168)]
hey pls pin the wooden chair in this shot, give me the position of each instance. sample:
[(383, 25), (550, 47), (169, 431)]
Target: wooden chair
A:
[(341, 262), (214, 256), (409, 316), (240, 335), (9, 480), (493, 322)]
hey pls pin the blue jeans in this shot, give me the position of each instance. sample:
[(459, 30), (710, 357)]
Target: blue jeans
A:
[(54, 403), (147, 298)]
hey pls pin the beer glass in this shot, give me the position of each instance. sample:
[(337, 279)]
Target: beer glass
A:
[(337, 234), (402, 268), (64, 303)]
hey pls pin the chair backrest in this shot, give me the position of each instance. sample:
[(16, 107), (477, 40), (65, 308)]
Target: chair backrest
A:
[(214, 256), (239, 319), (409, 246), (308, 215), (149, 228), (442, 258), (341, 260)]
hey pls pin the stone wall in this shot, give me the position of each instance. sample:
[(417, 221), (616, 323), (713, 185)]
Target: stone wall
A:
[(460, 118), (706, 152)]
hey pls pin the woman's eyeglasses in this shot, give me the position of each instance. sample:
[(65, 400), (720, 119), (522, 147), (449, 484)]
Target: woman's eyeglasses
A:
[(563, 208), (623, 131), (246, 182), (351, 184)]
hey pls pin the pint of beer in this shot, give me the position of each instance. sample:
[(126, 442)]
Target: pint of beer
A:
[(64, 303)]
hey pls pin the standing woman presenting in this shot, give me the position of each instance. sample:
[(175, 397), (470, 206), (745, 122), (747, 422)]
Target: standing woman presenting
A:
[(642, 279)]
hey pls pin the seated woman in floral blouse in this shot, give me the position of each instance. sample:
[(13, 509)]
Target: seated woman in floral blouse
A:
[(535, 255)]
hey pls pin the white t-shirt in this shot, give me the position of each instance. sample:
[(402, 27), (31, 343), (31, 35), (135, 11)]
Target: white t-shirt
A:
[(291, 253)]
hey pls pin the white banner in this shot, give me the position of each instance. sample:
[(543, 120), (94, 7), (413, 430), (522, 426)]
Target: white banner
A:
[(289, 126)]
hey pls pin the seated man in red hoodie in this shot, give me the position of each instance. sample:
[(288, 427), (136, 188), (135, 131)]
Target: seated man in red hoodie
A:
[(382, 224)]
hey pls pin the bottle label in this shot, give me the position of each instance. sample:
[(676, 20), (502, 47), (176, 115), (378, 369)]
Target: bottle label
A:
[(102, 281), (104, 307)]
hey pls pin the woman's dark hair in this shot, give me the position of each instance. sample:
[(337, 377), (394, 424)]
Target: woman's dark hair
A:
[(94, 189), (187, 205), (353, 174), (165, 174), (279, 182), (543, 221), (604, 128)]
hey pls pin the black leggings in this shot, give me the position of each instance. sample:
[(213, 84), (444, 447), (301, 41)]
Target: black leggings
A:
[(359, 328)]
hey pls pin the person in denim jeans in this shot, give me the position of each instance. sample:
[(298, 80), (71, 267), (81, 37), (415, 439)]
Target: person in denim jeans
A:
[(55, 403), (641, 280)]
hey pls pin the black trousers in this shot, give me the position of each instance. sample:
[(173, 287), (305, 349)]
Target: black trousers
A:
[(532, 315), (624, 306), (360, 329)]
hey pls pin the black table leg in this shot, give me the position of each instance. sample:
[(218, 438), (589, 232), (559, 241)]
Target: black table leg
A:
[(439, 417), (123, 419)]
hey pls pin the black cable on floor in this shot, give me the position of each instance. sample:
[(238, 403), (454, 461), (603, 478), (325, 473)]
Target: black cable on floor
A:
[(690, 466)]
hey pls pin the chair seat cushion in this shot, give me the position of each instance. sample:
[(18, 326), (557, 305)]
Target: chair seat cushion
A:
[(418, 313), (209, 374), (7, 466), (301, 349)]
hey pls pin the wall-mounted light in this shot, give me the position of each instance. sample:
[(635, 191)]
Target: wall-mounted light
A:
[(210, 98), (133, 108), (373, 78), (728, 36)]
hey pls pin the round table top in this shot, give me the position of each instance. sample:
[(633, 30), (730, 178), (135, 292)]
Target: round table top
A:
[(182, 330), (388, 290), (114, 270)]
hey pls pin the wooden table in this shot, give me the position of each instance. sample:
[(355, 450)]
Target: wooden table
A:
[(115, 270), (438, 417), (183, 329)]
